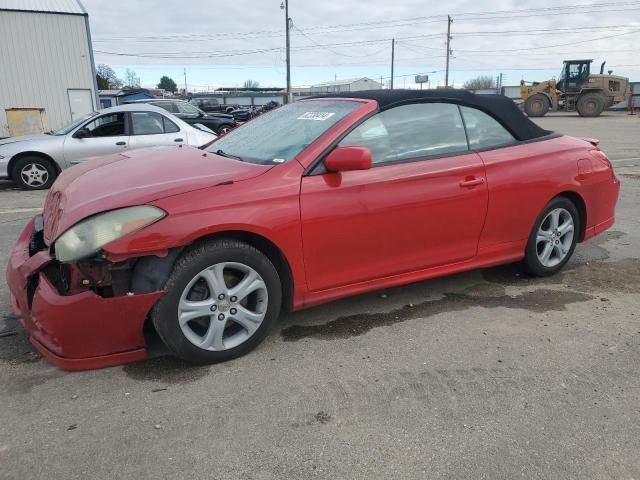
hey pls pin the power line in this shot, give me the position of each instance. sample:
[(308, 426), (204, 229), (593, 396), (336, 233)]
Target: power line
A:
[(462, 16)]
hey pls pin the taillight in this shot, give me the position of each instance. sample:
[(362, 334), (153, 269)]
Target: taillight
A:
[(600, 162)]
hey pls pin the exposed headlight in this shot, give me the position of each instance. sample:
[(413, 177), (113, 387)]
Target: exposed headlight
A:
[(89, 236)]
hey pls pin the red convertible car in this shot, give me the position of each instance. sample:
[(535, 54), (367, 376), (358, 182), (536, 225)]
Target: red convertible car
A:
[(317, 200)]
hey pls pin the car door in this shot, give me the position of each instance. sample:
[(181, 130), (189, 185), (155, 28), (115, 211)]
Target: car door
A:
[(103, 135), (152, 129), (422, 204)]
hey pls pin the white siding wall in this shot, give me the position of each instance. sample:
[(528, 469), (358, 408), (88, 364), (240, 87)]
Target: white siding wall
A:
[(41, 56), (364, 85)]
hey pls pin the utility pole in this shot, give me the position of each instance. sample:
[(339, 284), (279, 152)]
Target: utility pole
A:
[(393, 54), (446, 75), (500, 84), (185, 82), (285, 6)]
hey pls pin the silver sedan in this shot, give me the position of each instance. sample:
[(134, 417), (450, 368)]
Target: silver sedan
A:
[(33, 162)]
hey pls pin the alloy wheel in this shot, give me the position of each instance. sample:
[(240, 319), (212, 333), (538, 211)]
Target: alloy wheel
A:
[(34, 174), (555, 237), (223, 306)]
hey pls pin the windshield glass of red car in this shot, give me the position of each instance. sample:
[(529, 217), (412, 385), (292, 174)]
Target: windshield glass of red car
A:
[(281, 134)]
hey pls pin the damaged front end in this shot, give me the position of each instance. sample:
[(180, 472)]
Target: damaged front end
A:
[(89, 313)]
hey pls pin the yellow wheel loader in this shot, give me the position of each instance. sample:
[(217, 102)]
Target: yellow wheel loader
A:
[(576, 90)]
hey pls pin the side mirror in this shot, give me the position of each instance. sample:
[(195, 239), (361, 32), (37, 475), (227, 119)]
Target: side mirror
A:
[(82, 133), (345, 159)]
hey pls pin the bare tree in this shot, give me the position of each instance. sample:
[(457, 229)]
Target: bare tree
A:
[(132, 79), (251, 84), (481, 82), (107, 78)]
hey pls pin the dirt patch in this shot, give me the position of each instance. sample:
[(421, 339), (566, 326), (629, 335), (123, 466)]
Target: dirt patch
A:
[(169, 370), (539, 301), (621, 276), (24, 384)]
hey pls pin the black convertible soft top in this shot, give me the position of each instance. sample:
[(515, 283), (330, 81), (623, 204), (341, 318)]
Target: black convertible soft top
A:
[(502, 108)]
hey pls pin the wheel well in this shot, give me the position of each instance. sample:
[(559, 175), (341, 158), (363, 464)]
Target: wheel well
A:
[(584, 91), (545, 95), (20, 155), (577, 200), (272, 252)]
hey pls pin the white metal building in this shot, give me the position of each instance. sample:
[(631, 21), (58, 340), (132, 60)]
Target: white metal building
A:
[(348, 85), (47, 72)]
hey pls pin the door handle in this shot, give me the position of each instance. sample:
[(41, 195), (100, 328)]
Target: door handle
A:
[(121, 143), (178, 140), (471, 182)]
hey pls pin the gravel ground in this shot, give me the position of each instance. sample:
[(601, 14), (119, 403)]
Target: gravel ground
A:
[(485, 374)]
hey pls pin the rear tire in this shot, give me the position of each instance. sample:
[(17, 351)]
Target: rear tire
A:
[(537, 105), (202, 319), (590, 104), (33, 173), (553, 238)]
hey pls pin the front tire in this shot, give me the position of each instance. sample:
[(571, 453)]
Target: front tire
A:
[(222, 298), (553, 238), (537, 105), (33, 173), (224, 129)]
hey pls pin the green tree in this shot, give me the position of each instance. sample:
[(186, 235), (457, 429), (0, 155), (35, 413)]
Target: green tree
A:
[(167, 83), (481, 82), (107, 78)]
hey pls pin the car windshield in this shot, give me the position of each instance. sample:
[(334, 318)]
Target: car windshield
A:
[(281, 134), (74, 124)]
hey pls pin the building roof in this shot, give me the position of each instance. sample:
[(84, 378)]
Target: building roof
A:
[(68, 7), (106, 93), (502, 108), (346, 81)]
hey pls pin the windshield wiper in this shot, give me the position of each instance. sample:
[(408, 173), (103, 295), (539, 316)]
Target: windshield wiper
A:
[(228, 155)]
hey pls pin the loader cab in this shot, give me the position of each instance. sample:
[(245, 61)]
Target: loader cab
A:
[(575, 73)]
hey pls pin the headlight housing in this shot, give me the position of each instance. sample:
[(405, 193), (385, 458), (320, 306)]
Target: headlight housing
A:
[(90, 235)]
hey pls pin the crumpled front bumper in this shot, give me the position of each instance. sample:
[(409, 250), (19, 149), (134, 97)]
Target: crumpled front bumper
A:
[(75, 332)]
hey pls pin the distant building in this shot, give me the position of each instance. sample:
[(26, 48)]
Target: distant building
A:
[(108, 98), (47, 73), (111, 98), (347, 85)]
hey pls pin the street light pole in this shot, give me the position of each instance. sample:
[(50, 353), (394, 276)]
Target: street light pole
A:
[(393, 57), (446, 75), (285, 6), (185, 82)]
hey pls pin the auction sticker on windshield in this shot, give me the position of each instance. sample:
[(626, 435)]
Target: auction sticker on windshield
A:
[(316, 116)]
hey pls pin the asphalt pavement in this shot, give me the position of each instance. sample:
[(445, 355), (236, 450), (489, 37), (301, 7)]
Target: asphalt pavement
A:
[(485, 374)]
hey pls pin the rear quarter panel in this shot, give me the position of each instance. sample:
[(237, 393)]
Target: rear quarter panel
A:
[(522, 179)]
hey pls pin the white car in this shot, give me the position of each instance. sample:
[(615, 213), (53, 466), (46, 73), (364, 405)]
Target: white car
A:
[(34, 161)]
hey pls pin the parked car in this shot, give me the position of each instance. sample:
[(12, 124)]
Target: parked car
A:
[(210, 104), (220, 123), (33, 162), (314, 201)]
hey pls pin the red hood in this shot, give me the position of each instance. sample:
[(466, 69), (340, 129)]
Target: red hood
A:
[(135, 178)]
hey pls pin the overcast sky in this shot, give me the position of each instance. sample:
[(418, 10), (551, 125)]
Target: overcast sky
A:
[(224, 43)]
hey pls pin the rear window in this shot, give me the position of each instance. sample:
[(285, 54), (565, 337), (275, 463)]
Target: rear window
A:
[(483, 130)]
